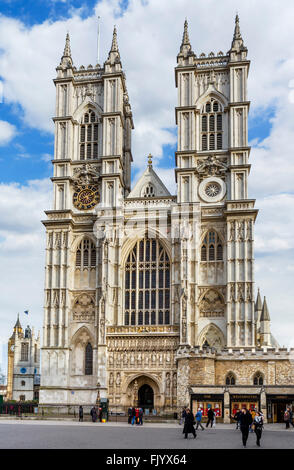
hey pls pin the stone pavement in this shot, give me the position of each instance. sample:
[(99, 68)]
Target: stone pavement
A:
[(26, 434)]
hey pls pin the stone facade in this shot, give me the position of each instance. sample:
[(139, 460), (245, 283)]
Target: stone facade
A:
[(149, 297), (23, 371)]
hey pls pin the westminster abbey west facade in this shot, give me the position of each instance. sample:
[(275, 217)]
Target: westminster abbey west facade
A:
[(149, 296)]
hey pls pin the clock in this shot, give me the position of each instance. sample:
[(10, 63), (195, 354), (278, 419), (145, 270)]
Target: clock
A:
[(12, 348), (86, 197)]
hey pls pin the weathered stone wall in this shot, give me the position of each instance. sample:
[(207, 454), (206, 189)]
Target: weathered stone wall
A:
[(202, 371)]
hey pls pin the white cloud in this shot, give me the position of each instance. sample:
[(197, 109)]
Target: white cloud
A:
[(22, 252), (7, 132)]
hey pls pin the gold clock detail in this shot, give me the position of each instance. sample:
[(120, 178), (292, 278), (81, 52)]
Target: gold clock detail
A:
[(86, 197)]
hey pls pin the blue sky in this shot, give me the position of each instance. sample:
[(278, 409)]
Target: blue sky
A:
[(28, 156), (32, 35)]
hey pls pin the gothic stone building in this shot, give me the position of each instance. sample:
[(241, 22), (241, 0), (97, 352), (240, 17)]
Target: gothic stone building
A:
[(23, 370), (149, 297)]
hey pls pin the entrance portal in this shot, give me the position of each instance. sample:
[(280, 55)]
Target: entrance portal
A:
[(146, 397)]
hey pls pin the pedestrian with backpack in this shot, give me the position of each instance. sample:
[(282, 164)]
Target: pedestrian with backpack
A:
[(198, 419)]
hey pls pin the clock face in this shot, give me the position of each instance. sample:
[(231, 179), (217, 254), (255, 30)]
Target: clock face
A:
[(86, 197), (12, 348)]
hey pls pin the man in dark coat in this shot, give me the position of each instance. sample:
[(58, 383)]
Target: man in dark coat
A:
[(245, 421), (210, 417), (189, 424), (93, 413), (81, 413)]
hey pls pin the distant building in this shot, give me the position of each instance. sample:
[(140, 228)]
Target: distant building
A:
[(23, 373), (2, 377)]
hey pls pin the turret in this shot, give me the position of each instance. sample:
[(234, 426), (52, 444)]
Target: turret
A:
[(265, 333)]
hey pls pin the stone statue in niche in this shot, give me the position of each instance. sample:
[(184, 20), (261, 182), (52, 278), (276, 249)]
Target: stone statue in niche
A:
[(111, 379), (118, 379)]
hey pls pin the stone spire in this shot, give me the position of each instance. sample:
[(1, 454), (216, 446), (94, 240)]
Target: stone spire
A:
[(17, 327), (237, 43), (114, 55), (186, 45), (258, 303), (114, 45), (265, 313), (66, 59)]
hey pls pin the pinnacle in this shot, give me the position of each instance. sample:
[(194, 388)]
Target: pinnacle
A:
[(237, 32), (186, 40), (114, 45), (67, 51), (265, 313), (185, 46)]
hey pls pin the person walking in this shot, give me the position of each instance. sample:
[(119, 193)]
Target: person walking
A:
[(100, 415), (141, 413), (81, 414), (236, 417), (198, 419), (288, 416), (245, 421), (129, 415), (258, 426), (189, 424), (291, 417), (133, 415), (210, 417), (252, 412), (93, 413), (183, 416), (137, 415)]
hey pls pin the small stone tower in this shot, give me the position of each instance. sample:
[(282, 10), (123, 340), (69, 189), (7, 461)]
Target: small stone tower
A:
[(23, 364)]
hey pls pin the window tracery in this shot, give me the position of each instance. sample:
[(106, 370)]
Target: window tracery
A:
[(86, 255), (89, 136), (212, 248), (147, 284), (212, 126)]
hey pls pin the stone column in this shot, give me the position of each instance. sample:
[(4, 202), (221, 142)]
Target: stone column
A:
[(227, 411)]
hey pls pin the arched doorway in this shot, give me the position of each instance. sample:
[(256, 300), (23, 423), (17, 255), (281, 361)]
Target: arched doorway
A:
[(146, 397)]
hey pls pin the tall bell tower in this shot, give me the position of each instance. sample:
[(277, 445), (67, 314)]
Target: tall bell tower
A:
[(91, 172), (212, 169)]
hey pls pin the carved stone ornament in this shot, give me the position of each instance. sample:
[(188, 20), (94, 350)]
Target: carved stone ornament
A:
[(212, 304), (211, 166), (212, 189), (84, 308)]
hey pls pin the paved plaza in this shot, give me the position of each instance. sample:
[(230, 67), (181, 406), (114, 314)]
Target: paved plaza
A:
[(27, 434)]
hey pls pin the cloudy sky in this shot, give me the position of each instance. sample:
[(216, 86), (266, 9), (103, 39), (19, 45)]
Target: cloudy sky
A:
[(32, 36)]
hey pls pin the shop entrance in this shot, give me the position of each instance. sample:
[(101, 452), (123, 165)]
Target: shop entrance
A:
[(277, 411), (251, 402), (146, 397)]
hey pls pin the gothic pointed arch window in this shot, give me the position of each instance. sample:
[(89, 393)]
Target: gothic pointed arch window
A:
[(212, 247), (89, 359), (89, 136), (230, 379), (147, 284), (86, 255), (211, 125), (258, 378)]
